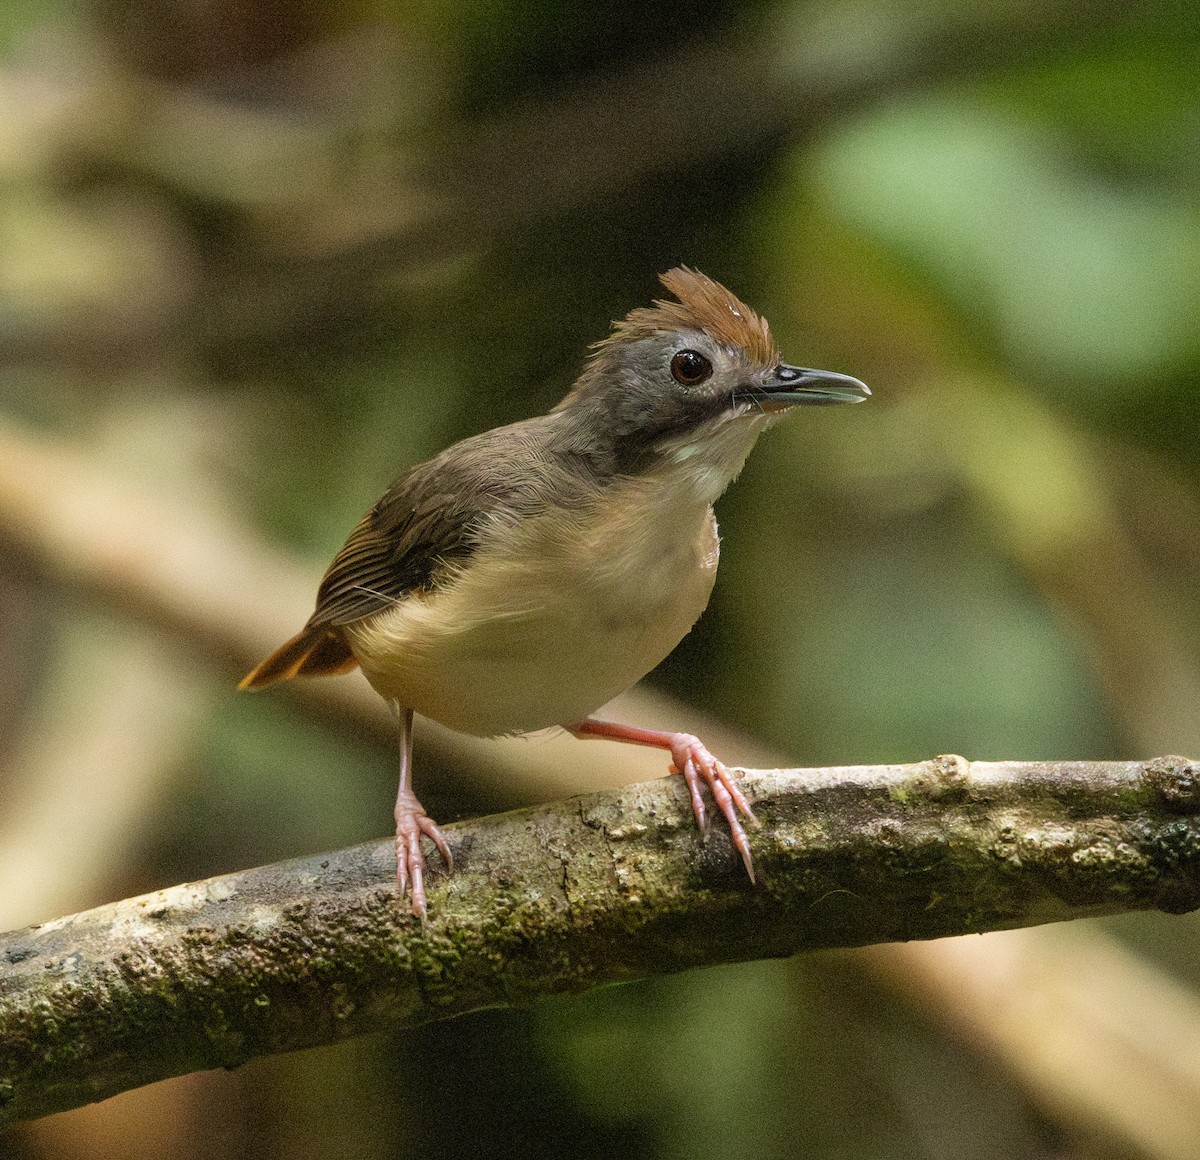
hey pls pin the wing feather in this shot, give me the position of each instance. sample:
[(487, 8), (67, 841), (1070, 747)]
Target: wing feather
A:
[(428, 522)]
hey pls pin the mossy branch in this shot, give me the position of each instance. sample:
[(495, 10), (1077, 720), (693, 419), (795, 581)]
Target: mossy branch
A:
[(597, 889)]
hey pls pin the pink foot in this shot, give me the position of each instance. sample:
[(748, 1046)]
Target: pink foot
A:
[(692, 760), (411, 823)]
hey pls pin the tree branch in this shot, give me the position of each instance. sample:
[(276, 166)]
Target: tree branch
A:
[(596, 889)]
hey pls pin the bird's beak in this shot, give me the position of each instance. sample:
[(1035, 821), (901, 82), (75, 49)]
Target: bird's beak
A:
[(794, 386)]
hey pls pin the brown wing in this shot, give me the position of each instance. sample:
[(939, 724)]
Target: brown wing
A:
[(401, 545), (426, 521)]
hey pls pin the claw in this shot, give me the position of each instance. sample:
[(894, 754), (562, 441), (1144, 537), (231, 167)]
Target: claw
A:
[(430, 829), (688, 773), (411, 823), (697, 764), (693, 762)]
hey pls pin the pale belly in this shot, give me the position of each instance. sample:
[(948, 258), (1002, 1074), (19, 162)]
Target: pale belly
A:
[(547, 633)]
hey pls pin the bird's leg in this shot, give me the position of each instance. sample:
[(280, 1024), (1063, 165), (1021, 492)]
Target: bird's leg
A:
[(412, 822), (692, 760)]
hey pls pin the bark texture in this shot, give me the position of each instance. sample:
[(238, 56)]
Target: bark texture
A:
[(597, 889)]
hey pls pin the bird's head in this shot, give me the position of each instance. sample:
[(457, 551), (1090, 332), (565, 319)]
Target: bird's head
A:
[(694, 381)]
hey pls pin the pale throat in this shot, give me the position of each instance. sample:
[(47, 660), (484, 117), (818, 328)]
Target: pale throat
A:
[(703, 463)]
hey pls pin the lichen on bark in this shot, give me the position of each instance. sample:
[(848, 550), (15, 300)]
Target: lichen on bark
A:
[(602, 888)]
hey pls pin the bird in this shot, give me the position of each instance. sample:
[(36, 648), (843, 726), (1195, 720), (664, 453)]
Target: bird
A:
[(525, 576)]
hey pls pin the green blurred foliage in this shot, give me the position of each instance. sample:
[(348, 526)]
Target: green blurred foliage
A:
[(699, 1063), (1085, 280), (240, 220)]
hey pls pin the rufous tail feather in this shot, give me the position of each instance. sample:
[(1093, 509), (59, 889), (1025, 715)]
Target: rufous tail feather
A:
[(307, 654)]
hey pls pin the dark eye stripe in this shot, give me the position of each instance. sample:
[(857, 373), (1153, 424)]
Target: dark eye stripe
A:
[(690, 367)]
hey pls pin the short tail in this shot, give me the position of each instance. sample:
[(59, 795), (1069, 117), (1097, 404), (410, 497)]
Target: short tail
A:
[(312, 653)]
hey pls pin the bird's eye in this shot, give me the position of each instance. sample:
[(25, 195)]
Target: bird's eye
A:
[(689, 367)]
